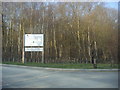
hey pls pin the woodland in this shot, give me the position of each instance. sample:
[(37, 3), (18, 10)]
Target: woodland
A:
[(74, 32)]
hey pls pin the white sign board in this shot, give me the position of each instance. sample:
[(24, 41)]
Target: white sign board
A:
[(34, 40), (33, 49)]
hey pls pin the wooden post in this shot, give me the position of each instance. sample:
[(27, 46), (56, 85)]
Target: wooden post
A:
[(43, 50), (23, 52), (43, 56), (95, 55), (95, 52)]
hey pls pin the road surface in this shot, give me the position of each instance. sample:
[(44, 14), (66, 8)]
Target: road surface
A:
[(24, 77)]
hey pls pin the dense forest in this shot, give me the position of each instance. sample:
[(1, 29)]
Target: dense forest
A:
[(74, 32)]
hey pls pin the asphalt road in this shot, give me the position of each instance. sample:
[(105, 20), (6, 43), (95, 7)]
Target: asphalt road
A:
[(24, 77)]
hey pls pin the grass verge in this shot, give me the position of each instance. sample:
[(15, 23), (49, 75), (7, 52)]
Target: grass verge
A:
[(67, 66)]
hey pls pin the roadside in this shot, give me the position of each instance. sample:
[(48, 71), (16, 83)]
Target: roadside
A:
[(65, 65), (48, 68)]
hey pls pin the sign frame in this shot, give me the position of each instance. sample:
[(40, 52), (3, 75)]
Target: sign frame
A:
[(34, 39), (33, 47)]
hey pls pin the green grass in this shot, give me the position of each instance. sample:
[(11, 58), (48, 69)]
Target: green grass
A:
[(67, 66)]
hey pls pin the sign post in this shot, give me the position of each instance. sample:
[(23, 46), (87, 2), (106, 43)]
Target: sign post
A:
[(23, 51), (36, 42)]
